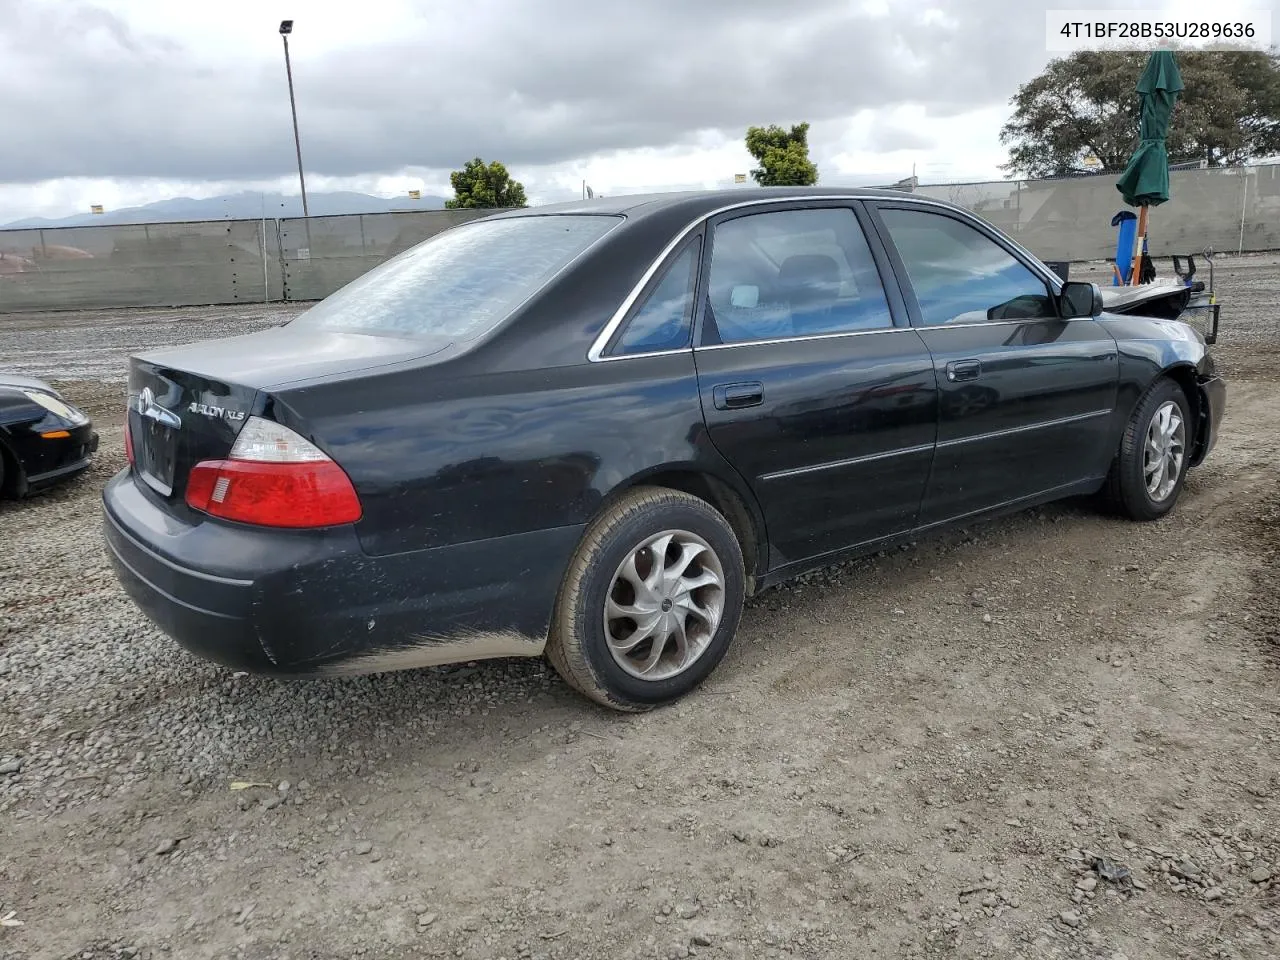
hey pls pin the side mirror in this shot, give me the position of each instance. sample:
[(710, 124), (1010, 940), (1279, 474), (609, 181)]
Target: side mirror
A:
[(1079, 299)]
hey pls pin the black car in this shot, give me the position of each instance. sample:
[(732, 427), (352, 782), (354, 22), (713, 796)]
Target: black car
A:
[(44, 440), (592, 429)]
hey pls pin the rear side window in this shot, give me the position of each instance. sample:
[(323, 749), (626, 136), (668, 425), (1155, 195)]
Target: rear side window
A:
[(460, 283), (665, 318)]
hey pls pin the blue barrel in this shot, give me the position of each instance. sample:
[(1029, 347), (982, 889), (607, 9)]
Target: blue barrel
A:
[(1128, 233)]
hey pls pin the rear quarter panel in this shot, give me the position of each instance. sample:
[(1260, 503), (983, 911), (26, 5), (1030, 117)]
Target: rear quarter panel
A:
[(440, 460)]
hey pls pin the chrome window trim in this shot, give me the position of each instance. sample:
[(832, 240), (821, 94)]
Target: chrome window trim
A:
[(992, 323), (773, 341), (808, 336), (595, 354), (757, 343), (641, 356)]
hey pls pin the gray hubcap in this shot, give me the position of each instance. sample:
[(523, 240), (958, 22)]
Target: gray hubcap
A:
[(1163, 452), (664, 605)]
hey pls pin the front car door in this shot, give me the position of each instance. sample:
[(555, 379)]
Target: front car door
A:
[(1025, 397), (814, 386)]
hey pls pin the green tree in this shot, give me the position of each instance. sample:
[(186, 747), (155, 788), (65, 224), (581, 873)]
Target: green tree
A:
[(1086, 103), (783, 156), (485, 185)]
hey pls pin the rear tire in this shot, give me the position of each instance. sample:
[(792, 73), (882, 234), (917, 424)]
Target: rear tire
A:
[(1151, 465), (650, 602)]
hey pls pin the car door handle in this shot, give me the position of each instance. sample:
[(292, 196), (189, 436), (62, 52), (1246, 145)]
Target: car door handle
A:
[(735, 396), (964, 370)]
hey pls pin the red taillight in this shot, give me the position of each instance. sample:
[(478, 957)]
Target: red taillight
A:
[(274, 494), (274, 478), (128, 442)]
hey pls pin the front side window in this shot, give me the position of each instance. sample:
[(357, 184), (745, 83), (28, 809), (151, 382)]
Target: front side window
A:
[(665, 317), (959, 275), (460, 283), (793, 273)]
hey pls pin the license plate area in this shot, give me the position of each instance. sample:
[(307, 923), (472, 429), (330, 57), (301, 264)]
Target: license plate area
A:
[(156, 455)]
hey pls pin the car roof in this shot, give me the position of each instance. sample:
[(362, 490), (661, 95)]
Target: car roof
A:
[(698, 203)]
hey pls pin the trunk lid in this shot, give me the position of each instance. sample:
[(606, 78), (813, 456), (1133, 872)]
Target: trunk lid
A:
[(178, 418), (188, 404)]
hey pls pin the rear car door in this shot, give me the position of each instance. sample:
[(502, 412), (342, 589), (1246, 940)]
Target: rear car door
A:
[(814, 387), (1025, 396)]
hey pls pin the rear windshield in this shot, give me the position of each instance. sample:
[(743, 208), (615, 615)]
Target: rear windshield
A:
[(462, 282)]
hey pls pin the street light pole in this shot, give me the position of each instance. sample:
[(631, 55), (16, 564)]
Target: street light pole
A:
[(286, 28)]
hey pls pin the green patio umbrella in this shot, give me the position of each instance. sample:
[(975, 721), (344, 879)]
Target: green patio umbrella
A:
[(1145, 181)]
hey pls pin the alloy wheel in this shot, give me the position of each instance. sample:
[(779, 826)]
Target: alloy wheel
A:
[(664, 605), (1164, 451)]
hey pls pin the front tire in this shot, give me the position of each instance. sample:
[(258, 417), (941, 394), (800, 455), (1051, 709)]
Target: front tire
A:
[(1151, 465), (650, 602)]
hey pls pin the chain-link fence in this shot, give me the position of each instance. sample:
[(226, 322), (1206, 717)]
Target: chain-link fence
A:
[(321, 254), (234, 261), (145, 264), (215, 261)]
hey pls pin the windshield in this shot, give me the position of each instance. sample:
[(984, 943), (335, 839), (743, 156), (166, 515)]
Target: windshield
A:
[(460, 283)]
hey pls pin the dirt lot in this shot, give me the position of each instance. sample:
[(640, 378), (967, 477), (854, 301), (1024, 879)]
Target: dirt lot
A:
[(916, 755)]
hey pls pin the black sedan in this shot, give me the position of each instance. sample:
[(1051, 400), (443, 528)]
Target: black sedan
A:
[(44, 440), (590, 430)]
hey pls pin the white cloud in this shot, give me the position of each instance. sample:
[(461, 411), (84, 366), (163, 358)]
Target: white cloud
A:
[(128, 101)]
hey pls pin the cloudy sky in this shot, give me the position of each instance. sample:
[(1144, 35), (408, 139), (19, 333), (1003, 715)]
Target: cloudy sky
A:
[(122, 102)]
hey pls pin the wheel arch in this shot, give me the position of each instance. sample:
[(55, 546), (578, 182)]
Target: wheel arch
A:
[(1186, 376), (738, 506), (1181, 372)]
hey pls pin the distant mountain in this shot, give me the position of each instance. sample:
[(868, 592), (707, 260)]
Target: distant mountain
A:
[(239, 206)]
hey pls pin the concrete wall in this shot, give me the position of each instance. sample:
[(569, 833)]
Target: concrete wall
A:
[(232, 261), (1229, 209)]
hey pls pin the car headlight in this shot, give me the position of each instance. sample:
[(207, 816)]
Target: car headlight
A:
[(63, 411)]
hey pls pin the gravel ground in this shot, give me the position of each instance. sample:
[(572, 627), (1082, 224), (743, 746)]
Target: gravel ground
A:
[(916, 755)]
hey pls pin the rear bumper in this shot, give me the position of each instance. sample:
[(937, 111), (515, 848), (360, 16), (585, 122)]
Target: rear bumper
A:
[(299, 603), (1213, 395)]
